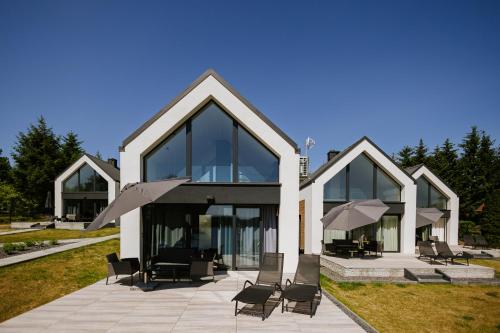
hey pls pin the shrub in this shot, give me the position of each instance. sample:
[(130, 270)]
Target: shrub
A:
[(53, 242), (466, 228), (30, 243), (9, 248), (20, 246)]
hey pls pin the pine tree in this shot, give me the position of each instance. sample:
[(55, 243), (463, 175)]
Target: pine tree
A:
[(405, 157), (36, 155), (98, 155), (468, 178), (71, 150), (443, 162), (420, 153), (490, 226), (4, 169)]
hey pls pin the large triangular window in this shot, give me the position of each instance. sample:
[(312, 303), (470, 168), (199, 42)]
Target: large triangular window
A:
[(85, 179), (212, 147)]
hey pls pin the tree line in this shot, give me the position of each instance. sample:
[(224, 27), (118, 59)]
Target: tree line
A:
[(39, 156), (472, 169)]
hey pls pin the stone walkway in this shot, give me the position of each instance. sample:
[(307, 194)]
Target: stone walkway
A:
[(12, 232), (179, 307), (37, 254)]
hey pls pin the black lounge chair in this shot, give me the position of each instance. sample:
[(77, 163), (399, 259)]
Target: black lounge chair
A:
[(305, 285), (126, 266), (446, 253), (481, 242), (268, 281), (425, 250), (469, 241)]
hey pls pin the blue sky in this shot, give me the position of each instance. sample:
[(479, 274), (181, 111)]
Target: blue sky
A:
[(395, 71)]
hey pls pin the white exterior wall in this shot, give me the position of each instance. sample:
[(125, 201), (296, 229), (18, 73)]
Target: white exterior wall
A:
[(131, 164), (113, 186), (313, 194), (452, 204)]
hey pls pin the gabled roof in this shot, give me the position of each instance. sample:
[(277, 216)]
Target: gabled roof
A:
[(199, 80), (339, 156), (412, 170), (108, 168)]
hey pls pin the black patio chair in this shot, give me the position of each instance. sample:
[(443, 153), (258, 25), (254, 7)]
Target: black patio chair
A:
[(481, 242), (446, 253), (469, 241), (425, 250), (267, 283), (373, 246), (327, 249), (305, 285), (126, 266)]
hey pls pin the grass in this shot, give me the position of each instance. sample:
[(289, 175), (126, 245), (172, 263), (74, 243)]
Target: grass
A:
[(421, 308), (493, 263), (48, 234), (30, 284)]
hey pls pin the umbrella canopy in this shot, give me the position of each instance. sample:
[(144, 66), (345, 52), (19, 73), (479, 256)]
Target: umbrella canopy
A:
[(354, 214), (134, 196), (426, 216)]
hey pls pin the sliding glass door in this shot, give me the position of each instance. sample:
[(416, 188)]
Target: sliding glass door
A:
[(248, 237)]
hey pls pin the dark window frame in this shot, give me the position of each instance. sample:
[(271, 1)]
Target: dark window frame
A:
[(375, 182), (94, 181), (429, 187), (189, 145)]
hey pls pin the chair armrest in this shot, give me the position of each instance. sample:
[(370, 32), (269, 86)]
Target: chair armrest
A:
[(121, 267), (288, 282), (245, 284), (277, 287)]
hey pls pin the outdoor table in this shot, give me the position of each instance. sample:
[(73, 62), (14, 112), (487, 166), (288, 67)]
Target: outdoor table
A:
[(173, 266)]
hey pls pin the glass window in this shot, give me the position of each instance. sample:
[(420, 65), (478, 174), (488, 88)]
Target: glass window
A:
[(71, 184), (361, 178), (168, 160), (86, 178), (335, 188), (255, 162), (422, 193), (387, 232), (438, 200), (212, 132), (387, 188), (101, 185)]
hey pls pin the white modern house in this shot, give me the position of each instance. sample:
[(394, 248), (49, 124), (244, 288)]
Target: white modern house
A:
[(362, 171), (243, 194), (433, 192), (86, 187)]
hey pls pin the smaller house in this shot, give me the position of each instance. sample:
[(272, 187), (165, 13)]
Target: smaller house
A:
[(86, 188), (361, 172), (434, 192)]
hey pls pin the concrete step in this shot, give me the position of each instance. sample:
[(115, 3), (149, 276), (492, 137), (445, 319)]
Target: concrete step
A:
[(426, 275)]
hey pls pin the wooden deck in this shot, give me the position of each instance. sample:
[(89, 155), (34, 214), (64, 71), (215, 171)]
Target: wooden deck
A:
[(179, 307)]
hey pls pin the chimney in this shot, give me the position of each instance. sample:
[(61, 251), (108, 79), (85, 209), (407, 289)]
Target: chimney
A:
[(331, 154), (113, 162)]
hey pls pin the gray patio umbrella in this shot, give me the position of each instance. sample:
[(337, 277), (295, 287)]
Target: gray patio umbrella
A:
[(134, 196), (354, 214), (426, 216)]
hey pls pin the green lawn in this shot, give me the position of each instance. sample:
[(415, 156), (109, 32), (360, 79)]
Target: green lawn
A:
[(48, 234), (30, 284), (416, 308)]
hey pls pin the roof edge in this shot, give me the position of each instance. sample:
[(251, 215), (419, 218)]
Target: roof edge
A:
[(185, 92), (422, 165), (339, 156)]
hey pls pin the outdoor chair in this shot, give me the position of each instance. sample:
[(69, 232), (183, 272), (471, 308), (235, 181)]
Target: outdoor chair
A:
[(446, 253), (425, 250), (373, 246), (343, 246), (204, 266), (268, 281), (175, 261), (434, 239), (481, 242), (327, 249), (126, 266), (469, 241), (305, 285)]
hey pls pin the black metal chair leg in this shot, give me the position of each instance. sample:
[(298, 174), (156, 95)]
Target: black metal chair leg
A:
[(236, 308), (263, 311), (282, 305), (107, 277), (311, 309)]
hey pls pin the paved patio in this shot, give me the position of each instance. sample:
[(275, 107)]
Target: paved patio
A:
[(180, 307)]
